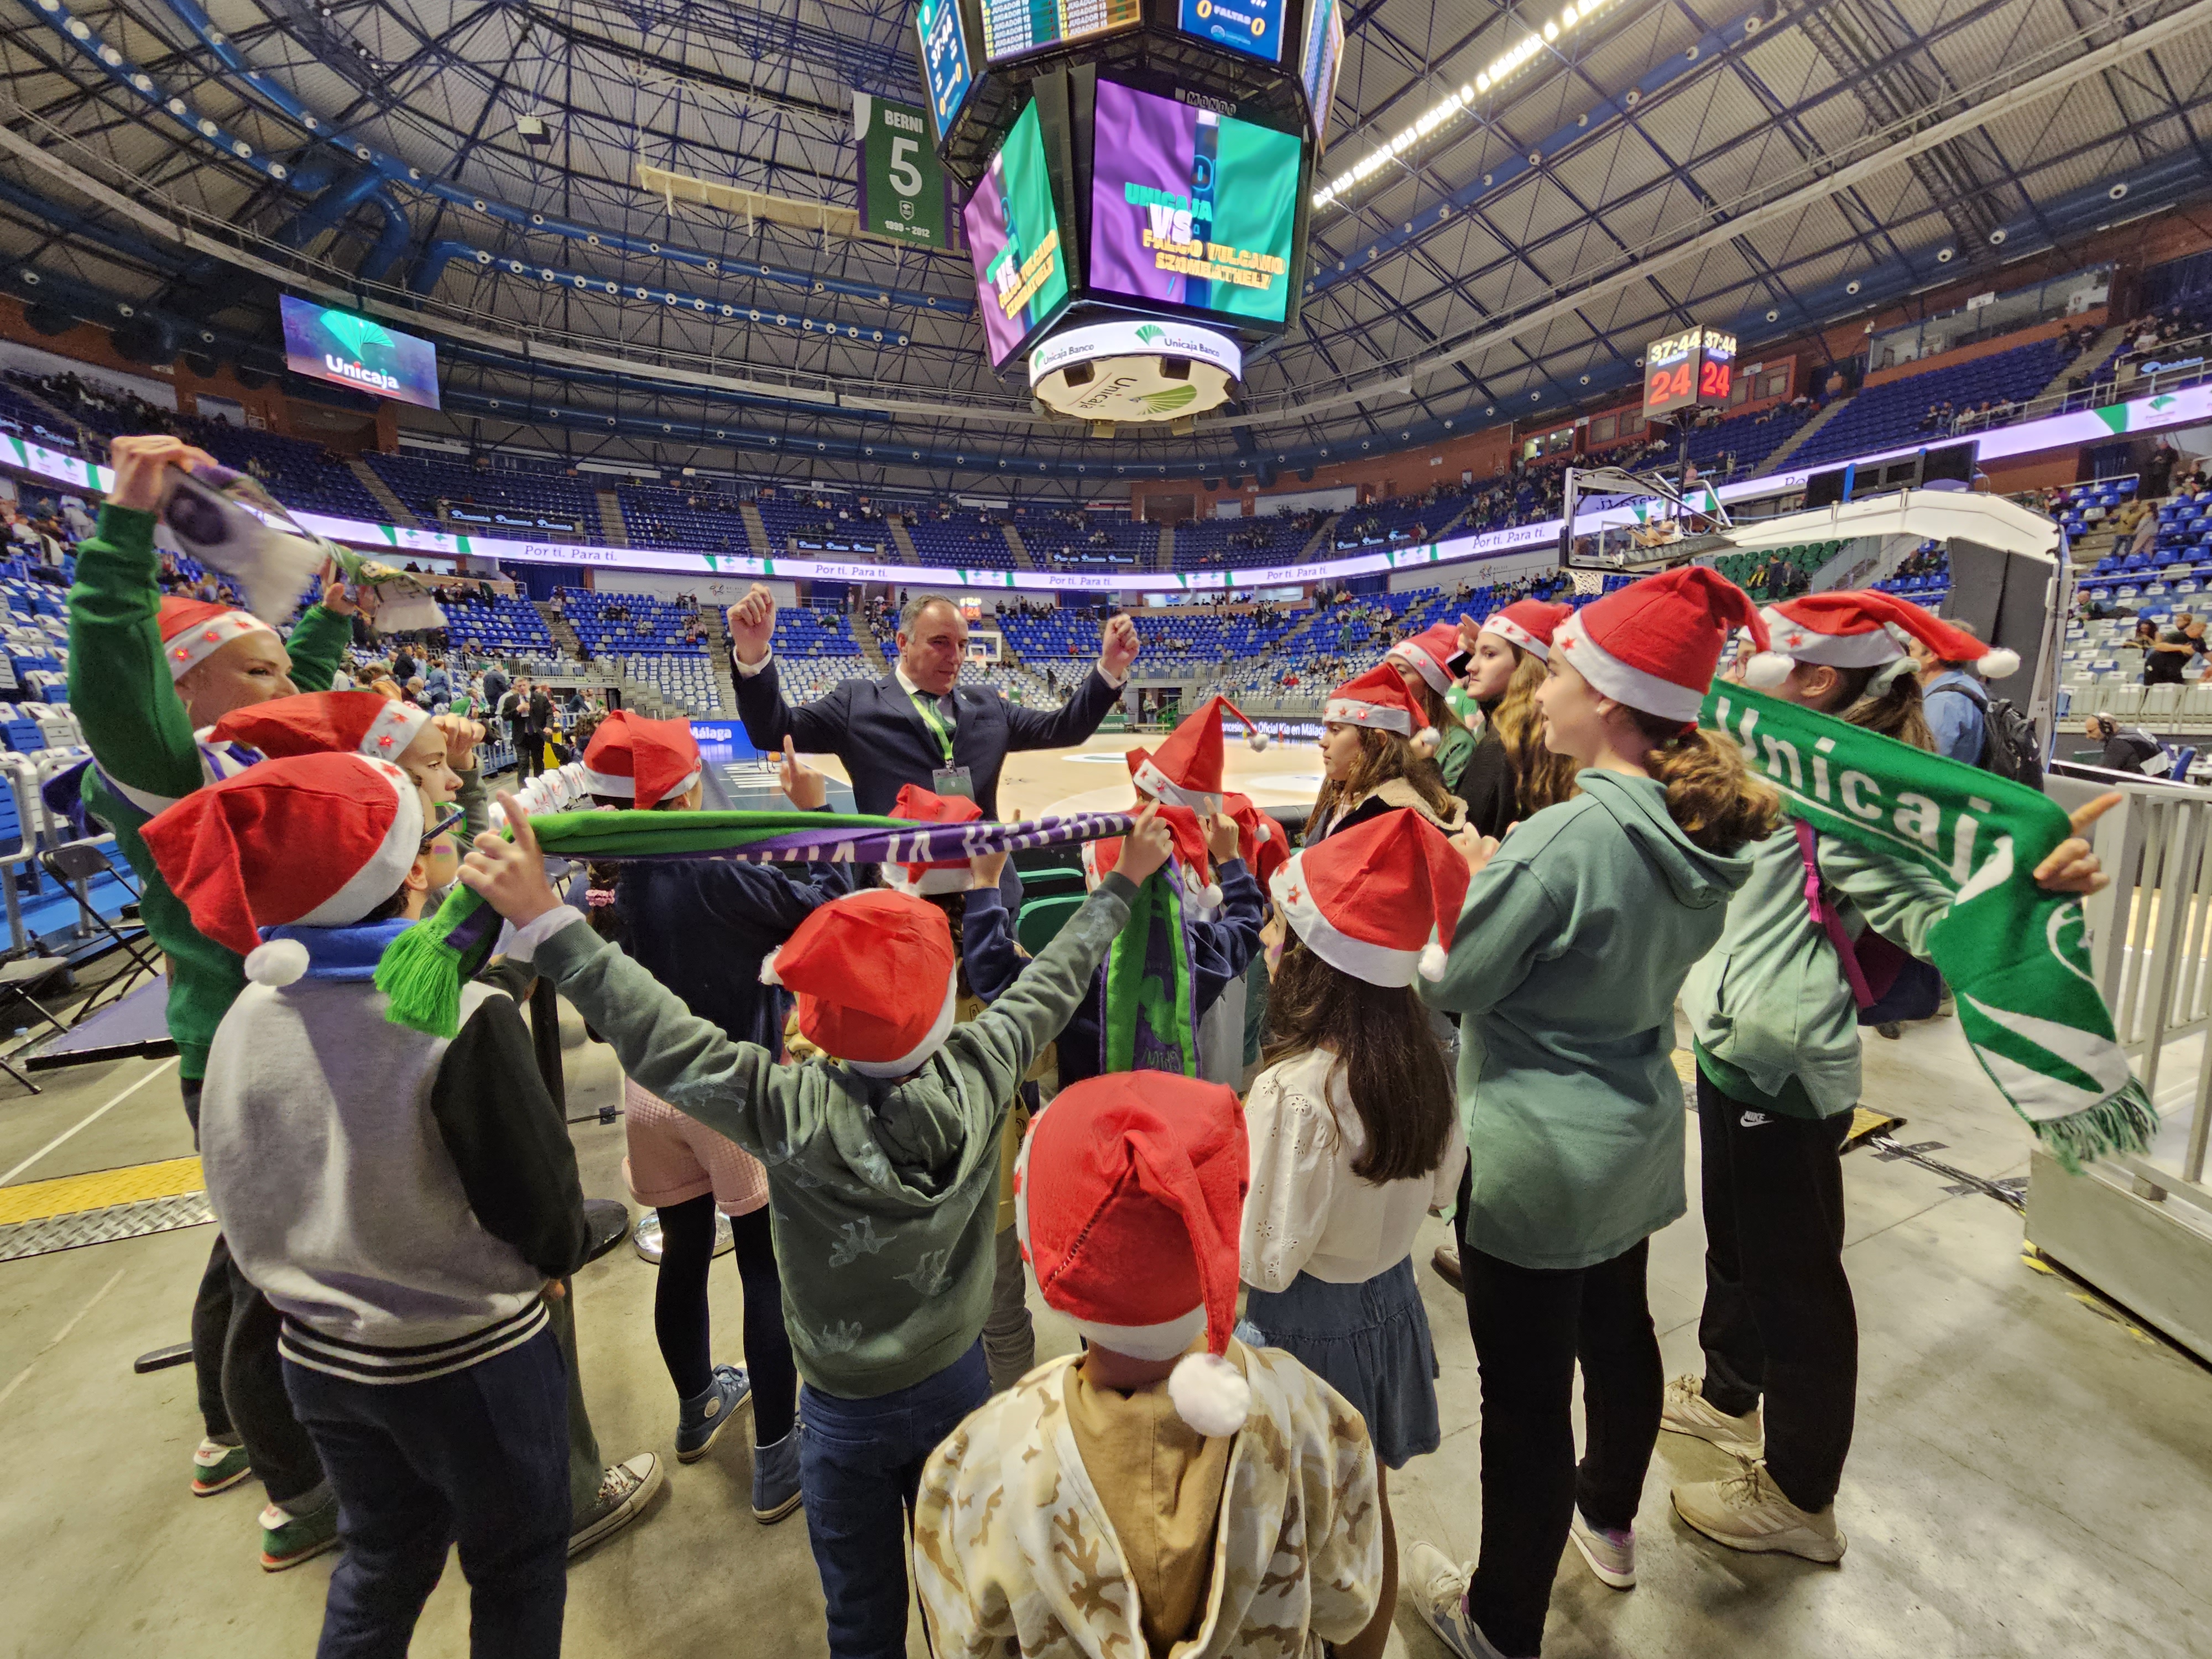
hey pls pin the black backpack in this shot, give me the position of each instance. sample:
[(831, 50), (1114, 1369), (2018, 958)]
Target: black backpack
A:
[(2010, 747)]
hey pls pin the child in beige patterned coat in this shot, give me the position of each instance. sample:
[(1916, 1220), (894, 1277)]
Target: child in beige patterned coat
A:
[(1170, 1490)]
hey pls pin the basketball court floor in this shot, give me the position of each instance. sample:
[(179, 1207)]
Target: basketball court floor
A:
[(2032, 1474)]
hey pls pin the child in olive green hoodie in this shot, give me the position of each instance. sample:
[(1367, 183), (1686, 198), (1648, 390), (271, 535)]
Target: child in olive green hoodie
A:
[(883, 1168), (1776, 1020), (1575, 937)]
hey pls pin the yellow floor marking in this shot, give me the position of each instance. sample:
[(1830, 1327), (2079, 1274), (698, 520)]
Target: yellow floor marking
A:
[(34, 1200)]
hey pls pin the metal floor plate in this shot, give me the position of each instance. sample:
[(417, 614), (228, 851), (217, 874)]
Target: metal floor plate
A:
[(103, 1226)]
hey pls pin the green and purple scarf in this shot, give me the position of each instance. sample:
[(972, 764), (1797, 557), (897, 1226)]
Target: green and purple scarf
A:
[(422, 971), (2016, 957)]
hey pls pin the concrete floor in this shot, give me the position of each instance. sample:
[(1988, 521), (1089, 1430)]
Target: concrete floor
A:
[(2031, 1476)]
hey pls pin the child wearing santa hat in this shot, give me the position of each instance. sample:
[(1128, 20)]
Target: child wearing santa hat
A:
[(1574, 938), (990, 962), (406, 1203), (1377, 749), (1354, 1129), (1170, 1487), (145, 673), (882, 1163), (701, 928), (433, 749), (1775, 1008), (1511, 776), (1432, 662)]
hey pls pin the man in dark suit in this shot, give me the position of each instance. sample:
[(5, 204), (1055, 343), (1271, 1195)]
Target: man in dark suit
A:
[(916, 725)]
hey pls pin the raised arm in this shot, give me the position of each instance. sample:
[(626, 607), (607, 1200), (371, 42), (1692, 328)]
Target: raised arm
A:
[(119, 687)]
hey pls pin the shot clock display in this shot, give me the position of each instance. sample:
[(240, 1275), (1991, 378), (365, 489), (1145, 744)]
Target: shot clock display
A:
[(1684, 371)]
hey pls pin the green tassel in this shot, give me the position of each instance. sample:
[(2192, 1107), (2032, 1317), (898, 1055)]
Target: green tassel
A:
[(421, 971), (2125, 1123)]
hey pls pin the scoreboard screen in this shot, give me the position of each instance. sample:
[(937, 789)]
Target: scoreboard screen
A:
[(1013, 27), (1687, 370)]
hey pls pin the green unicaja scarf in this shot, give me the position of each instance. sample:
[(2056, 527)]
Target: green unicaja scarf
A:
[(2016, 957)]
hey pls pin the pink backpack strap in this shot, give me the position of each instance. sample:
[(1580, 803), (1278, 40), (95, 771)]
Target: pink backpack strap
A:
[(1831, 923)]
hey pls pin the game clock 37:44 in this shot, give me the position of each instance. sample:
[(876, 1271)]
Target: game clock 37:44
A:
[(1696, 367)]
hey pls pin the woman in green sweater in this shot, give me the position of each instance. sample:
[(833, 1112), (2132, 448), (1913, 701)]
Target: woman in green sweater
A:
[(1576, 936), (1775, 1018)]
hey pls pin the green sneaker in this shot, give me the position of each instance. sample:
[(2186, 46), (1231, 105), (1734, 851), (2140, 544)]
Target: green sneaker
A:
[(217, 1467), (287, 1538)]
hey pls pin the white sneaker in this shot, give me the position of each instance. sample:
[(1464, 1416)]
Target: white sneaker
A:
[(1438, 1586), (1746, 1511), (1611, 1555), (1686, 1411)]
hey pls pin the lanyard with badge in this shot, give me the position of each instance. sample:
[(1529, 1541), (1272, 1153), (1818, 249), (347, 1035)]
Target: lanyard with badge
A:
[(947, 780)]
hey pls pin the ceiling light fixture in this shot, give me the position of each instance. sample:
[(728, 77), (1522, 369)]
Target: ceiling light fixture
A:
[(1573, 16)]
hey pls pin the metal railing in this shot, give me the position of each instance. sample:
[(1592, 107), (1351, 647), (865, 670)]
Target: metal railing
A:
[(2180, 363), (2151, 958)]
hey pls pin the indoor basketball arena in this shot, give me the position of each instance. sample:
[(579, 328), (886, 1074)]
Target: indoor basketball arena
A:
[(1105, 828)]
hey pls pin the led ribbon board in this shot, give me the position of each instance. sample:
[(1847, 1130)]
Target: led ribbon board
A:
[(337, 346)]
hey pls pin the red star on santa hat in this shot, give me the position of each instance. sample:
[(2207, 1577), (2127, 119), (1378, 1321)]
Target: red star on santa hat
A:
[(212, 635), (385, 741)]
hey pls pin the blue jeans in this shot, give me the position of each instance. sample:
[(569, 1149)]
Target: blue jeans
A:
[(479, 1457), (860, 1466)]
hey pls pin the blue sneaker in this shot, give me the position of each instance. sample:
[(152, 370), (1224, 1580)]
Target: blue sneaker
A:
[(775, 1479), (700, 1419)]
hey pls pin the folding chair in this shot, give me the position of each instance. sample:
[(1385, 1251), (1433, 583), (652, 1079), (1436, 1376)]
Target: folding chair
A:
[(74, 864)]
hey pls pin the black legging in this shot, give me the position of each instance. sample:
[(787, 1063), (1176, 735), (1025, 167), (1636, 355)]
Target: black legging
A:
[(680, 1320)]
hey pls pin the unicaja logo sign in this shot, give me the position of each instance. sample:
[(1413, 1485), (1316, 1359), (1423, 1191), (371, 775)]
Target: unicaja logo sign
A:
[(359, 374)]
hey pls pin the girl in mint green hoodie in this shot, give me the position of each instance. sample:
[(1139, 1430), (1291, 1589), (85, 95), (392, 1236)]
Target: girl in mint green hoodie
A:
[(1775, 1020), (1574, 938)]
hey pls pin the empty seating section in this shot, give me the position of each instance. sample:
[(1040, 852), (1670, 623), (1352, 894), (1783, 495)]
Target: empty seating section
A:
[(815, 650), (34, 422), (654, 517), (33, 666), (501, 626), (1749, 438), (1270, 538), (823, 525), (421, 484), (1089, 541), (1399, 520), (964, 540), (1777, 573), (298, 473), (1891, 416)]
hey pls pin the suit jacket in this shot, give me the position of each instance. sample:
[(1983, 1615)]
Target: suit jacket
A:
[(874, 726)]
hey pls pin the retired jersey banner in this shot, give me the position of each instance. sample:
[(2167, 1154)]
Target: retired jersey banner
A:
[(2016, 955), (902, 195)]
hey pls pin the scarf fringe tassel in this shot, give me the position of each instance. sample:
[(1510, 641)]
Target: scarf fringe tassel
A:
[(2125, 1123)]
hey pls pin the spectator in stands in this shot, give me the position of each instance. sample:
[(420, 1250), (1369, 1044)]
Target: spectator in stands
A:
[(2158, 470), (437, 683), (915, 724), (403, 665), (2167, 652)]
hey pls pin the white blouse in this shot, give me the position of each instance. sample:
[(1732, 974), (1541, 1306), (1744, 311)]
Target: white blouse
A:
[(1306, 1211)]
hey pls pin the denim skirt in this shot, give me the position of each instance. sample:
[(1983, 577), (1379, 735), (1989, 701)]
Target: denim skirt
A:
[(1368, 1341)]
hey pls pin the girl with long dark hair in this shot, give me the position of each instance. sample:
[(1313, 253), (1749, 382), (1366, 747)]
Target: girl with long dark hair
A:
[(1377, 753), (1354, 1132), (1511, 776)]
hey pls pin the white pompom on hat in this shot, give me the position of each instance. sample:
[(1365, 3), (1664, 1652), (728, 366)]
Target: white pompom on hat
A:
[(1129, 1205), (1860, 627)]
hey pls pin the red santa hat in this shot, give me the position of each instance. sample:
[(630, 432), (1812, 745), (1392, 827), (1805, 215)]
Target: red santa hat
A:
[(1379, 702), (1653, 644), (1435, 653), (319, 840), (1378, 901), (917, 805), (192, 630), (876, 978), (1129, 1204), (1858, 629), (645, 762), (1261, 841), (1190, 856), (1186, 770), (321, 722), (1530, 624)]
